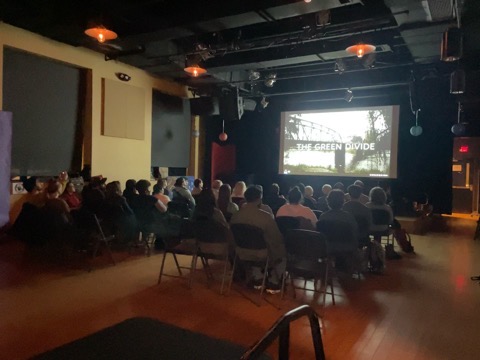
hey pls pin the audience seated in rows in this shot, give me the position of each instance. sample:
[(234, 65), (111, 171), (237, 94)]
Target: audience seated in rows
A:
[(294, 208), (238, 193), (274, 199), (251, 214), (225, 204)]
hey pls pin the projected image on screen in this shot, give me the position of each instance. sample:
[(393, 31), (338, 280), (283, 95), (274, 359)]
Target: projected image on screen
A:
[(355, 142)]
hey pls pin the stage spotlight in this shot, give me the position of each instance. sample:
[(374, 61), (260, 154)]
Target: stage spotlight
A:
[(369, 62), (253, 75), (264, 102), (457, 82), (270, 80), (348, 95)]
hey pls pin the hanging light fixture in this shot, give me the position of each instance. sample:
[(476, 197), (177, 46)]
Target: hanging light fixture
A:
[(416, 130), (223, 136), (360, 49), (459, 128), (193, 68), (339, 66), (101, 33)]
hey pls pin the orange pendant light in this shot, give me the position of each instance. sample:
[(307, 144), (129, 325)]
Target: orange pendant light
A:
[(361, 49), (101, 33)]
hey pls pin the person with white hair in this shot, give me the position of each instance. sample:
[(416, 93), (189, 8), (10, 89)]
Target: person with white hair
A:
[(216, 184), (308, 199), (322, 204)]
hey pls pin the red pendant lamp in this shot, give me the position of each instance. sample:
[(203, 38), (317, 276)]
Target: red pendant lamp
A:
[(360, 49), (101, 33)]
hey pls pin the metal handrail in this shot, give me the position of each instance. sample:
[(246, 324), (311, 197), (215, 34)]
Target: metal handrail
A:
[(281, 329)]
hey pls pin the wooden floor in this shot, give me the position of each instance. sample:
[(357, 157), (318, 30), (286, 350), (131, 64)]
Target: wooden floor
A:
[(424, 307)]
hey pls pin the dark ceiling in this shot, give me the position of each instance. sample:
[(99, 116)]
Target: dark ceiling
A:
[(298, 42)]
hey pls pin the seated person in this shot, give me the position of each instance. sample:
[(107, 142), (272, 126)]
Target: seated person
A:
[(216, 187), (359, 211), (117, 213), (159, 192), (378, 199), (197, 187), (322, 200), (181, 193), (53, 203), (308, 199), (238, 193), (341, 230), (251, 214), (33, 188), (274, 199), (207, 208), (130, 191), (225, 204), (295, 209), (71, 197), (161, 188)]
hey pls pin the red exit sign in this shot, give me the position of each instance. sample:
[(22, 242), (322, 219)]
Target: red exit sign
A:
[(463, 149)]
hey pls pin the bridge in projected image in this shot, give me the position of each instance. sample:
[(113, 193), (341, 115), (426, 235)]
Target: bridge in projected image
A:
[(302, 130)]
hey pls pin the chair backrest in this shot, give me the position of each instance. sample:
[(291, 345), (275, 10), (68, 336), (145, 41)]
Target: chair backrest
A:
[(286, 223), (363, 225), (248, 237), (179, 208), (317, 213), (210, 231), (340, 235), (380, 217), (306, 245)]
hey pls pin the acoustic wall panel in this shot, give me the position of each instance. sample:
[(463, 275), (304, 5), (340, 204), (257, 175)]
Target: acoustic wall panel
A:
[(123, 112)]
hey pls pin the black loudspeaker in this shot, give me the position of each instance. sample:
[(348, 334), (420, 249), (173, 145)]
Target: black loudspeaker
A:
[(231, 105), (204, 106)]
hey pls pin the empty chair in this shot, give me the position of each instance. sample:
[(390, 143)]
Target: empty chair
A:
[(180, 245), (251, 250), (212, 242), (308, 259)]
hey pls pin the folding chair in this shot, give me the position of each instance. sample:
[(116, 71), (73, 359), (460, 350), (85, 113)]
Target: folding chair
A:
[(180, 245), (342, 243), (212, 242), (100, 238), (308, 259), (381, 217), (250, 250), (286, 223)]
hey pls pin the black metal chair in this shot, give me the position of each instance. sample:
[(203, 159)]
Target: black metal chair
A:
[(308, 259), (381, 217), (183, 244), (286, 223), (212, 242), (342, 243), (250, 250)]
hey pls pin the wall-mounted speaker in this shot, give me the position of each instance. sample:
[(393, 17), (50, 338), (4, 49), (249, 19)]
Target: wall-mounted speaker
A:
[(231, 104)]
